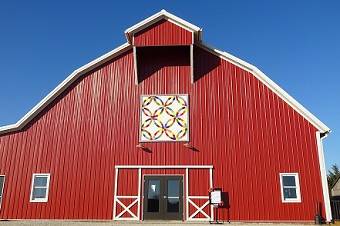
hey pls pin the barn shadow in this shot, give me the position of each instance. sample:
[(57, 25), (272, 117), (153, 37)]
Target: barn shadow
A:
[(151, 59), (226, 204), (204, 62)]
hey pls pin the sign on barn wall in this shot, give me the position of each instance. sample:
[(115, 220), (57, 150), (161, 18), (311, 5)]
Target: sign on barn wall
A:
[(164, 118)]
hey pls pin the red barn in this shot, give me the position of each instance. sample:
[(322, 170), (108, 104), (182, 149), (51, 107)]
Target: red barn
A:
[(146, 130)]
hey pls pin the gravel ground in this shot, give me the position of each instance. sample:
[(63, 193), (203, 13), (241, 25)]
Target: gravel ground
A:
[(112, 223)]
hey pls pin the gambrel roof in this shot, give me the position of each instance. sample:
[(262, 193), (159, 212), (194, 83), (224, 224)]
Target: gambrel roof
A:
[(127, 46)]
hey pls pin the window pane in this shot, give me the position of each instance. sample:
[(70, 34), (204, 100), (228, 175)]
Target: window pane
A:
[(2, 180), (288, 180), (289, 193), (173, 188), (39, 193), (153, 195), (173, 205), (40, 181), (173, 196)]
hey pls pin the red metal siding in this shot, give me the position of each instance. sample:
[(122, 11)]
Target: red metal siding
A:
[(237, 125), (163, 33)]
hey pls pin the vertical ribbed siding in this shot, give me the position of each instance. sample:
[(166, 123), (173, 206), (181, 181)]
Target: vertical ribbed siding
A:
[(163, 33), (237, 125)]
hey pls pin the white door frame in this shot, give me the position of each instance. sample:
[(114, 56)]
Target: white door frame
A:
[(137, 199)]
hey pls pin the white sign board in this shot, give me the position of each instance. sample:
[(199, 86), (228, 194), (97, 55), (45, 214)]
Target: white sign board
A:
[(215, 197)]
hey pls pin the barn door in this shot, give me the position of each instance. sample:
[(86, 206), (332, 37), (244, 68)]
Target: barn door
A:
[(163, 197)]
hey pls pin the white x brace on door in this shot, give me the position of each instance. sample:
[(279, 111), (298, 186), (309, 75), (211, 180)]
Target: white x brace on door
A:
[(136, 199)]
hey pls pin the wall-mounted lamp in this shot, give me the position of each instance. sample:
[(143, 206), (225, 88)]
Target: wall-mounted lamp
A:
[(188, 145), (141, 146)]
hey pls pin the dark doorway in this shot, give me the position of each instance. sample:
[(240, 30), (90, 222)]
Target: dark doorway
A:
[(163, 197)]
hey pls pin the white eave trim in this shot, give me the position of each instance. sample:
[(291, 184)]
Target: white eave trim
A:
[(62, 87), (271, 85), (163, 14)]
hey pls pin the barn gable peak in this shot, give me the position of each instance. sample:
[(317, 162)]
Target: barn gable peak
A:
[(160, 33), (158, 19)]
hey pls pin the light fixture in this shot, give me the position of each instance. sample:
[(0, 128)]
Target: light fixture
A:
[(188, 145), (141, 146)]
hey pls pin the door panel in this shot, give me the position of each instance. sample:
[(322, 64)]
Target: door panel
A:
[(174, 197), (163, 197), (153, 195)]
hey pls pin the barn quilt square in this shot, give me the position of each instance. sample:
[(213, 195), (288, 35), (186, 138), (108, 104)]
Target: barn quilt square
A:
[(164, 118)]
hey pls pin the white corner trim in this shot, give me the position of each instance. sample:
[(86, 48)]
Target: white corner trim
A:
[(271, 85), (323, 173), (47, 187), (61, 87), (297, 185), (163, 14)]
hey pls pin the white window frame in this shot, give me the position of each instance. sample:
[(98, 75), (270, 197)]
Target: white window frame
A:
[(47, 187), (297, 187), (2, 191)]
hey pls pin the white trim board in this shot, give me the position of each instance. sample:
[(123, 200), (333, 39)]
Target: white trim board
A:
[(108, 56), (164, 167), (323, 172)]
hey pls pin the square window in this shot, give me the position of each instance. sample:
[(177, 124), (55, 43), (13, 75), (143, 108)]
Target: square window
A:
[(290, 187), (40, 185), (164, 118)]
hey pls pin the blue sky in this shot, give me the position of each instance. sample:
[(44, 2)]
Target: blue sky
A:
[(296, 43)]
